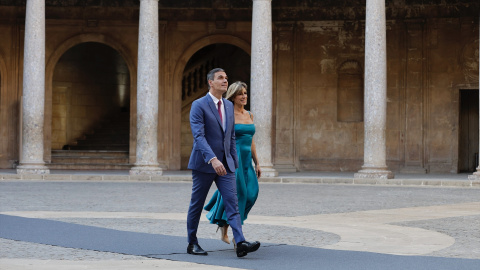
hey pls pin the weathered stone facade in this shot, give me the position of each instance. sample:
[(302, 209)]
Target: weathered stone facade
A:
[(317, 79)]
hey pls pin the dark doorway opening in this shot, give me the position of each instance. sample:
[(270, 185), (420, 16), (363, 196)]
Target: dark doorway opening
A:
[(468, 131), (90, 109), (91, 99)]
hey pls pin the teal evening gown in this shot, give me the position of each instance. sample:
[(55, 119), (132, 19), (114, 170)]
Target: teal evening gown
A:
[(247, 182)]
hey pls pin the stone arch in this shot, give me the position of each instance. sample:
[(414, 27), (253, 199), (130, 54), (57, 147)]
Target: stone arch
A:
[(49, 72), (176, 92), (350, 92)]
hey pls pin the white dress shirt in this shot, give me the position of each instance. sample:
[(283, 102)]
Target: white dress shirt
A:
[(222, 108)]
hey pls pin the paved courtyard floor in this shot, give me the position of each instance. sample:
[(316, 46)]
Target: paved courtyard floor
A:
[(90, 224)]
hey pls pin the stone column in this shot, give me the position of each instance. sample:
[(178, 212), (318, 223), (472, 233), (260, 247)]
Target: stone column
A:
[(476, 175), (375, 93), (261, 83), (33, 104), (147, 91)]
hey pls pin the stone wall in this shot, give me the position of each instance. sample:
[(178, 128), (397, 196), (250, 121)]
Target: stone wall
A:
[(316, 82), (426, 69), (10, 93)]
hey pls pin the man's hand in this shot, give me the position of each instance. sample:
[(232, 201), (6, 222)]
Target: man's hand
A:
[(218, 167)]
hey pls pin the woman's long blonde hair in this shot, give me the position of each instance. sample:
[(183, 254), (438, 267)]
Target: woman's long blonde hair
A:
[(234, 89)]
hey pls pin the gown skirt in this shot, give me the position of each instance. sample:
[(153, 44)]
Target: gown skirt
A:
[(247, 182)]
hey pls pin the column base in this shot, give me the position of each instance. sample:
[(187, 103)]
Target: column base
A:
[(381, 173), (269, 172), (32, 169), (475, 176), (146, 170)]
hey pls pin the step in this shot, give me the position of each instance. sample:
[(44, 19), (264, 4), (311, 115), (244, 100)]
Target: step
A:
[(115, 140), (111, 131), (103, 135), (86, 166), (89, 153), (119, 147), (89, 160), (102, 141), (113, 126)]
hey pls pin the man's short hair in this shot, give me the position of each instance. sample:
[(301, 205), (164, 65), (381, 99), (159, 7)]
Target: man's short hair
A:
[(211, 75)]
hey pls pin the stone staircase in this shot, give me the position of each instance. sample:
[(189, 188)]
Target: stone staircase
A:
[(104, 148), (89, 160)]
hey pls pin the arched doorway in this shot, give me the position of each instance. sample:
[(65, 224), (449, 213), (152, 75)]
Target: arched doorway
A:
[(235, 62), (90, 106)]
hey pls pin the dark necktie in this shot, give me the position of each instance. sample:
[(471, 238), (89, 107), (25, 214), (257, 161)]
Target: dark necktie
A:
[(220, 111)]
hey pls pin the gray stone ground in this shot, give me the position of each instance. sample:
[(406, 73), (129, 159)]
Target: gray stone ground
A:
[(274, 200), (465, 230)]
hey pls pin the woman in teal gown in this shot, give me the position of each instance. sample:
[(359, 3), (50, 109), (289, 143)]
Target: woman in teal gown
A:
[(246, 174)]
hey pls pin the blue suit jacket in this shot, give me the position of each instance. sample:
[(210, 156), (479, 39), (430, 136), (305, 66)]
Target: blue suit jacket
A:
[(209, 139)]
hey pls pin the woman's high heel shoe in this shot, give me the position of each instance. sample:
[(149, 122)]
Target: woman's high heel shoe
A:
[(224, 236)]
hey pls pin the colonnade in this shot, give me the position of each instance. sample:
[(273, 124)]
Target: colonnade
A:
[(261, 84), (31, 160)]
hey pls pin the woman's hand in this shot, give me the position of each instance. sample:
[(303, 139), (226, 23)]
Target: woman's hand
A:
[(258, 171)]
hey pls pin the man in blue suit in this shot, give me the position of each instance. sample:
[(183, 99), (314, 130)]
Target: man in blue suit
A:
[(214, 158)]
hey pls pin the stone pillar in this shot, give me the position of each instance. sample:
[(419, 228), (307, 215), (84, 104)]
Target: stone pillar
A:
[(476, 175), (375, 93), (147, 91), (261, 83), (414, 98), (33, 104), (285, 89)]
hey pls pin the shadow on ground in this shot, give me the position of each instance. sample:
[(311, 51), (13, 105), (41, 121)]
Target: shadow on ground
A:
[(269, 256)]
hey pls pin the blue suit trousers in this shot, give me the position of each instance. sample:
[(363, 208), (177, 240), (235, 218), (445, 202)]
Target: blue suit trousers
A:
[(228, 189)]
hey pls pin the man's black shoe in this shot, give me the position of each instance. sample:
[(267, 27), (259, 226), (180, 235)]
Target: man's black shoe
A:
[(246, 247), (196, 249)]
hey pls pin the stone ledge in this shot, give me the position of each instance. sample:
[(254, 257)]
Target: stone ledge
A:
[(285, 180), (33, 176), (87, 177), (58, 177), (116, 177)]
